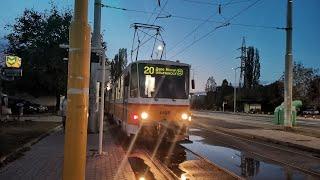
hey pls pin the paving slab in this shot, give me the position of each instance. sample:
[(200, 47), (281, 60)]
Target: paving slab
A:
[(45, 160)]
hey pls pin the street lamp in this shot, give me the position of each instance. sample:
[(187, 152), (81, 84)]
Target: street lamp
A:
[(160, 48), (235, 89)]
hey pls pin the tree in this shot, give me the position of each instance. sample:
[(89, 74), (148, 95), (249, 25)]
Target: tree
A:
[(252, 68), (303, 78), (118, 64), (35, 37), (314, 93), (211, 85)]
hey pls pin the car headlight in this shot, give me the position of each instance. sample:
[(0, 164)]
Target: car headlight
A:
[(184, 116), (144, 115)]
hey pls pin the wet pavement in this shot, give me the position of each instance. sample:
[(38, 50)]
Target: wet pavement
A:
[(242, 162), (170, 160), (244, 159)]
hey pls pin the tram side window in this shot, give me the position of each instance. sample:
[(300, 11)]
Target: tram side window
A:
[(134, 81), (121, 86)]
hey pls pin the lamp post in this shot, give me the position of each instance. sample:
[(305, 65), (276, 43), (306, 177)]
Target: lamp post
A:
[(235, 89)]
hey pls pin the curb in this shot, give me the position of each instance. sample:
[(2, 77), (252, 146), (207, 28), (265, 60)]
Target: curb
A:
[(250, 136), (6, 158)]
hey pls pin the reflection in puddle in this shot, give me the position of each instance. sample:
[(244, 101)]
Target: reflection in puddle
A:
[(241, 163), (140, 169), (194, 130), (196, 138)]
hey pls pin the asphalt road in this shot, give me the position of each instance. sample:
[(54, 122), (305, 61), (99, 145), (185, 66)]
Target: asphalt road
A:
[(261, 119)]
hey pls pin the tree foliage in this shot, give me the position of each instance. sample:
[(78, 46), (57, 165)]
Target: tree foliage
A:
[(302, 78), (35, 37), (211, 85), (252, 68), (118, 64)]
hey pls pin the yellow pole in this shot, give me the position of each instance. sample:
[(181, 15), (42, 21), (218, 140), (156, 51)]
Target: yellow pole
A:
[(74, 164)]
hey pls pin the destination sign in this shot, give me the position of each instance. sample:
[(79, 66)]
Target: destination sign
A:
[(162, 70)]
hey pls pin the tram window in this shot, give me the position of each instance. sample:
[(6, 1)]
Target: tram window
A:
[(149, 86), (134, 81), (162, 81), (126, 80)]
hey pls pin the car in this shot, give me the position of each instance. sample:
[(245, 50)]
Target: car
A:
[(310, 111), (28, 107)]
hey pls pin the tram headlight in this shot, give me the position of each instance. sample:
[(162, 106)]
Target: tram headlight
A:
[(184, 116), (144, 115)]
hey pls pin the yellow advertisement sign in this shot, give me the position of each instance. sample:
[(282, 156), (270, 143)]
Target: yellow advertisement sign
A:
[(13, 62)]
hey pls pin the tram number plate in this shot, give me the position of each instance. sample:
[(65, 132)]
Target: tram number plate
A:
[(164, 112)]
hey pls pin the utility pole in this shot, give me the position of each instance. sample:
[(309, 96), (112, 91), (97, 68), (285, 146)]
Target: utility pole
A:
[(242, 58), (96, 43), (74, 164), (101, 117), (235, 90), (288, 70)]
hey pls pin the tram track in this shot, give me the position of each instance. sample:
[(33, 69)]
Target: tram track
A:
[(162, 167), (267, 145)]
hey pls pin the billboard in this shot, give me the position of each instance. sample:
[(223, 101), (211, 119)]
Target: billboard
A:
[(13, 62)]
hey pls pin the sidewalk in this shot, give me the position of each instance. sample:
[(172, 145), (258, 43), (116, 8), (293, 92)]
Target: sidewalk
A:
[(302, 138), (45, 160)]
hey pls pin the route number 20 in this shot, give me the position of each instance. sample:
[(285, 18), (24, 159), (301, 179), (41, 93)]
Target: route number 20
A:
[(148, 70)]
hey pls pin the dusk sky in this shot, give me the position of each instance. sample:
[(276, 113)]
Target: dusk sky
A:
[(215, 55)]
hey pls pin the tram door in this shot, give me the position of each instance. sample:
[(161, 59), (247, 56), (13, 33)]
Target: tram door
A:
[(125, 98)]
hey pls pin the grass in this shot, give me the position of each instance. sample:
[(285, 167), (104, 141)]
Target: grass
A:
[(15, 134)]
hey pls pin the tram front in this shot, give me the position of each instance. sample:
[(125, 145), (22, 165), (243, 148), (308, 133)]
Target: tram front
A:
[(162, 106)]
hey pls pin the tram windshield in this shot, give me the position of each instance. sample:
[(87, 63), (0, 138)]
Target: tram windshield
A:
[(163, 81)]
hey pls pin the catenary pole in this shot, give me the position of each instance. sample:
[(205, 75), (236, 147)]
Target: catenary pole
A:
[(288, 70), (74, 164)]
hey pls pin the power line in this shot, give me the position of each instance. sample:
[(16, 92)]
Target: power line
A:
[(169, 15), (162, 9), (130, 10), (215, 4), (243, 10), (195, 29), (223, 25), (204, 36), (235, 24)]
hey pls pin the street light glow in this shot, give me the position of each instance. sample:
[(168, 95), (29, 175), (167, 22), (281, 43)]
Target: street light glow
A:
[(160, 48)]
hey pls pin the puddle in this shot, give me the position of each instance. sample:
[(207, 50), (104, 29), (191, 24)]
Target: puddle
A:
[(241, 163), (196, 138), (194, 130), (140, 169)]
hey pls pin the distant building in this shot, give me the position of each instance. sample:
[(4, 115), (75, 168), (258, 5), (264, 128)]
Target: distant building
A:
[(197, 99), (250, 105)]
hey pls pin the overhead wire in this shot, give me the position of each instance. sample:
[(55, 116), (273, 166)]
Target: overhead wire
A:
[(197, 19), (155, 19), (169, 15), (219, 22), (215, 4), (213, 30), (195, 29), (131, 10)]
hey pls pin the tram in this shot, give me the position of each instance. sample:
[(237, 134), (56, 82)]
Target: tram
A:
[(152, 98)]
